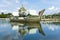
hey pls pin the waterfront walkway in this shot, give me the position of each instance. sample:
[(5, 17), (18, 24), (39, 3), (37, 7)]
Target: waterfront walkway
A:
[(50, 20)]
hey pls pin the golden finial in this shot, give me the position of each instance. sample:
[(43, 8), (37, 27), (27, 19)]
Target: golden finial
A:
[(22, 5)]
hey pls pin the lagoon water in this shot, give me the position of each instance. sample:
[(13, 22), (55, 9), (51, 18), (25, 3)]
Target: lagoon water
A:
[(29, 31)]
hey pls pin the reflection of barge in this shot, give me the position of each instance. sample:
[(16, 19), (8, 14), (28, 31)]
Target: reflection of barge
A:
[(29, 19), (26, 27)]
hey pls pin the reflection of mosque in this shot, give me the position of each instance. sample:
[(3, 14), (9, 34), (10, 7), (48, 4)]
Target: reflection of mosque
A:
[(26, 27)]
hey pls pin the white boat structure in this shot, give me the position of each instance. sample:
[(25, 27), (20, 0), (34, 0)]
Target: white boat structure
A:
[(29, 18), (23, 18)]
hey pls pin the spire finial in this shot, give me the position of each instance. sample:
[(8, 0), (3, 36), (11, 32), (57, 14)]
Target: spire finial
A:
[(22, 5)]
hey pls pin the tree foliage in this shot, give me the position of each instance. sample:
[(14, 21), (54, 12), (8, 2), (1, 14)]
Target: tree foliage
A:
[(3, 15)]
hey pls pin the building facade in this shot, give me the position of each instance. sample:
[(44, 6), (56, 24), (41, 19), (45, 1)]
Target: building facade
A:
[(22, 12)]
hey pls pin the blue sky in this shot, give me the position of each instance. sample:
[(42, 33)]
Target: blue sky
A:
[(51, 6)]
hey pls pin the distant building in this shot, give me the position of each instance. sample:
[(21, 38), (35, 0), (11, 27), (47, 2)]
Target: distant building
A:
[(22, 12)]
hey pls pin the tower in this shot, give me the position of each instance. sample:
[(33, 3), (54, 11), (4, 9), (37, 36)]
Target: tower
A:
[(22, 11)]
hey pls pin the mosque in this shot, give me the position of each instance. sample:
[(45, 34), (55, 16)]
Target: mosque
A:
[(25, 16), (23, 12)]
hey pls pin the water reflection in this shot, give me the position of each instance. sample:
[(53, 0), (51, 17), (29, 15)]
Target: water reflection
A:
[(29, 31), (5, 29), (26, 27), (52, 25)]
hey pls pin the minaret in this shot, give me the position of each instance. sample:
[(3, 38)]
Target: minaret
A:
[(22, 5)]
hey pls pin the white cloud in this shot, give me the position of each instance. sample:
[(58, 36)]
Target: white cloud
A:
[(52, 27), (7, 2), (32, 31), (3, 10), (3, 5), (25, 3), (18, 8), (53, 8), (15, 13), (17, 1), (33, 12), (15, 27)]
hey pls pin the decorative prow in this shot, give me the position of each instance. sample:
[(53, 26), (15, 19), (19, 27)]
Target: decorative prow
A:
[(41, 13)]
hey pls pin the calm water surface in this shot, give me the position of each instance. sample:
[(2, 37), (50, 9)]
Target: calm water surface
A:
[(29, 31)]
